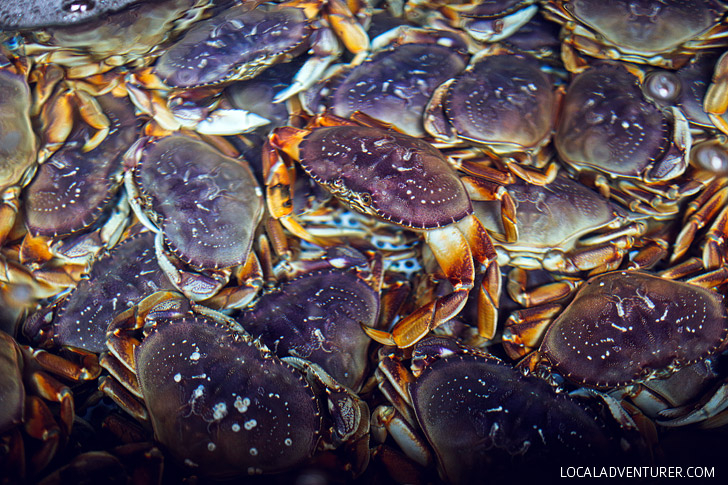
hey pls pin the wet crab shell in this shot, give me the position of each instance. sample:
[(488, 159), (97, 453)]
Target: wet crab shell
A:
[(651, 27), (625, 326), (550, 217), (502, 100), (220, 403), (238, 43), (72, 189), (607, 125), (481, 416), (206, 204), (390, 175), (318, 317), (18, 143), (119, 279), (395, 85)]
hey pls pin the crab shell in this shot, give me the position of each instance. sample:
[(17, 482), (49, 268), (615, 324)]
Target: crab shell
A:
[(606, 125), (318, 317), (72, 189), (551, 219), (394, 85), (18, 145), (207, 205), (120, 278), (128, 35), (237, 44), (392, 176), (503, 101), (628, 326), (662, 33), (222, 403)]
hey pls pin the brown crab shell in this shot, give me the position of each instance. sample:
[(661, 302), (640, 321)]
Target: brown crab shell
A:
[(392, 176)]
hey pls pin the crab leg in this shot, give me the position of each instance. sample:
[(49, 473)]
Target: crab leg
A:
[(279, 180), (454, 256)]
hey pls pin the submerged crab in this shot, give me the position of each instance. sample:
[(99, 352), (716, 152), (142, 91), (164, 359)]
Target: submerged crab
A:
[(481, 416), (562, 226), (204, 231), (220, 401), (504, 103), (395, 83), (122, 277), (18, 144), (318, 317), (132, 35), (404, 181), (658, 32)]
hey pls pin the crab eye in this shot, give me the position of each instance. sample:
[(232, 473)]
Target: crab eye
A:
[(662, 86), (366, 199)]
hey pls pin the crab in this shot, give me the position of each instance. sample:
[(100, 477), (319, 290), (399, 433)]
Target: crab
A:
[(120, 278), (318, 315), (31, 434), (18, 144), (218, 400), (685, 88), (503, 103), (401, 180), (661, 33), (131, 36), (484, 21), (625, 329), (630, 149), (204, 207), (481, 416), (72, 208), (562, 227), (192, 71), (396, 81)]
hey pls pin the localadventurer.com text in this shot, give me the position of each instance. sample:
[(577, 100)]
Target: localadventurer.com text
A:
[(637, 472)]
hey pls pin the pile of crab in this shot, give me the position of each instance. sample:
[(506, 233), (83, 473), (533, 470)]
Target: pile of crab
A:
[(406, 241)]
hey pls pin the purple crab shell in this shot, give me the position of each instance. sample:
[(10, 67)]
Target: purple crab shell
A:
[(482, 417), (118, 280), (72, 188), (207, 205), (623, 326), (238, 43), (396, 177), (221, 404), (318, 317)]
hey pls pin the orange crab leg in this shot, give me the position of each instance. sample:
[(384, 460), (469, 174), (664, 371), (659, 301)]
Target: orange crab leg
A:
[(279, 180), (454, 256), (479, 189)]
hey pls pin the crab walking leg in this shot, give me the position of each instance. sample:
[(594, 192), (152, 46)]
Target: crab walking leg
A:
[(279, 180), (490, 289), (454, 256), (715, 102), (479, 189)]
